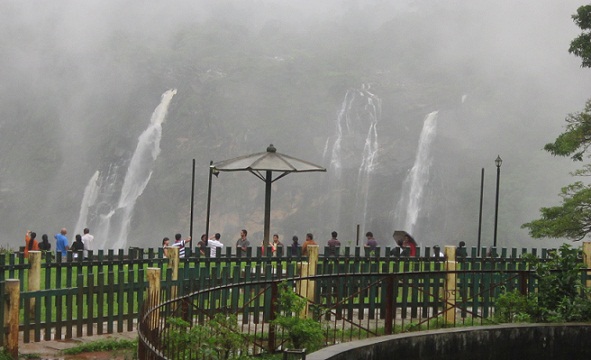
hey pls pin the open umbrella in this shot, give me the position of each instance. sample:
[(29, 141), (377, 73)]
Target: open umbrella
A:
[(399, 236), (262, 166)]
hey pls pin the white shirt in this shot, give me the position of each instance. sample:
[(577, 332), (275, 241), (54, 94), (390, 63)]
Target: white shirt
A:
[(214, 244), (87, 241)]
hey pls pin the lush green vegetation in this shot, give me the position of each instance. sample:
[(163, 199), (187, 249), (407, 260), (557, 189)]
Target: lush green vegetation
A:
[(303, 332), (561, 294), (218, 338)]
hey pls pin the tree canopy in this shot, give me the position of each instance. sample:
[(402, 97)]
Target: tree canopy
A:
[(581, 45), (572, 219)]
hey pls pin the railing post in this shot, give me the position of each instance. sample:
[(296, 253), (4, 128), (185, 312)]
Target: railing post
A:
[(389, 298), (273, 316), (34, 281), (306, 288), (450, 284), (587, 261), (153, 277), (312, 264), (173, 264), (11, 320)]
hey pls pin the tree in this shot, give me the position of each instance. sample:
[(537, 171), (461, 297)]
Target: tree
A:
[(581, 45), (572, 219)]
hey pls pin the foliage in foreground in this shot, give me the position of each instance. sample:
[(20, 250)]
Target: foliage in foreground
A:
[(302, 332), (219, 338), (561, 295)]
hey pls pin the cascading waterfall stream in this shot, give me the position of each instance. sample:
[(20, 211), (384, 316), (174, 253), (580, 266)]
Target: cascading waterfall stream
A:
[(90, 195), (410, 203), (370, 151), (112, 220), (355, 141)]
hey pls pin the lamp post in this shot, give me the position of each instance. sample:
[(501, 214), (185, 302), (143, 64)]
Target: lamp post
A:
[(192, 199), (498, 162), (212, 171), (480, 214)]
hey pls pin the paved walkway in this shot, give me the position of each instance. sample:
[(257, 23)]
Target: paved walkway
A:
[(51, 350)]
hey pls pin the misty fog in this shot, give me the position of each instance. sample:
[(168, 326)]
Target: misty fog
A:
[(378, 92)]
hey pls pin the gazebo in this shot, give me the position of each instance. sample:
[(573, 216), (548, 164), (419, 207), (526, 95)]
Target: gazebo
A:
[(262, 165)]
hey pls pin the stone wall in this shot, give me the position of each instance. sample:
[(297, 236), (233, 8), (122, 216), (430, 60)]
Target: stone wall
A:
[(511, 341)]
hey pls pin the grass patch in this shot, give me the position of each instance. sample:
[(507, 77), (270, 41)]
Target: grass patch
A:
[(102, 345)]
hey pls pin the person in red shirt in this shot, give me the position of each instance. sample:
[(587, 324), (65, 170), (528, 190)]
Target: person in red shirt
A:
[(410, 243)]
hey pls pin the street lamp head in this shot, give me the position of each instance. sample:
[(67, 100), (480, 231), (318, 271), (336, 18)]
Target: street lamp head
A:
[(214, 171), (498, 161)]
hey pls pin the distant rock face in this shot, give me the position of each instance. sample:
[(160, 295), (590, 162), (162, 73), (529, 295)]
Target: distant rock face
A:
[(347, 88)]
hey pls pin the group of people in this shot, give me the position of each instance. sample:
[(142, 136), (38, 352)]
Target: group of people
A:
[(242, 244), (82, 243), (213, 243)]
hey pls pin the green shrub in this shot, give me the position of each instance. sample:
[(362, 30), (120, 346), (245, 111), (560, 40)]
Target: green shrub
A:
[(511, 306), (561, 294), (218, 339), (302, 332)]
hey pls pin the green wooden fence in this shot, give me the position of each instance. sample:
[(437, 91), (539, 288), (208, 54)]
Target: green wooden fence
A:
[(105, 294)]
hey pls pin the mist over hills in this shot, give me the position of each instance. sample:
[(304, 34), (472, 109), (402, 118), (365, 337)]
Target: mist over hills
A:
[(80, 81)]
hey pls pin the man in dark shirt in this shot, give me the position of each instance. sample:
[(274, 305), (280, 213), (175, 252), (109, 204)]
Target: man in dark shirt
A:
[(242, 244), (333, 244), (372, 243)]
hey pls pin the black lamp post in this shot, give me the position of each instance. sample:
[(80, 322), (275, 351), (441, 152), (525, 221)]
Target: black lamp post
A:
[(498, 162), (212, 171), (480, 213), (192, 199)]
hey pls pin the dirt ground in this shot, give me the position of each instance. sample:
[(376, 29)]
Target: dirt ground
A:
[(115, 355), (52, 350)]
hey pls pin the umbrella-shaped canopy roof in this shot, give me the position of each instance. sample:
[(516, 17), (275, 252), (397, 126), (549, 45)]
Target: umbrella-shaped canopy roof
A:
[(266, 162), (269, 160)]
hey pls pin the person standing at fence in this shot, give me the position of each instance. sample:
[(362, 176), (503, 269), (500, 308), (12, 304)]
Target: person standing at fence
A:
[(276, 244), (371, 243), (213, 243), (165, 245), (178, 242), (294, 245), (30, 242), (61, 244), (410, 243), (87, 240), (77, 246), (242, 244), (202, 244), (309, 241), (333, 244), (437, 252), (45, 245)]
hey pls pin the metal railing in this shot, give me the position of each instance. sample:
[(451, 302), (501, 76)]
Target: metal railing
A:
[(349, 306)]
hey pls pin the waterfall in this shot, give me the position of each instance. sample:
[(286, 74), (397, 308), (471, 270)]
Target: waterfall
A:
[(88, 200), (110, 217), (370, 150), (418, 177), (354, 143), (336, 156)]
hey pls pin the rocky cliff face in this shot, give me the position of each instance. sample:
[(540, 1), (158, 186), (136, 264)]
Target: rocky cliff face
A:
[(76, 98)]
